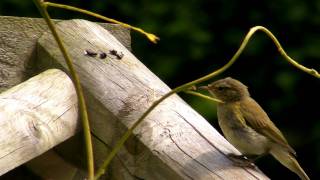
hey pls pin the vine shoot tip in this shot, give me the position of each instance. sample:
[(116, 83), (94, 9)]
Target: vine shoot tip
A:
[(153, 38)]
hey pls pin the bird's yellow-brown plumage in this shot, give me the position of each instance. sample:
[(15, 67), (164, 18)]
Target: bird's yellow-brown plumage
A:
[(245, 125)]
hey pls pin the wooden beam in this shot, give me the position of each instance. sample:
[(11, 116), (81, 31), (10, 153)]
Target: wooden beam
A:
[(174, 141), (35, 116)]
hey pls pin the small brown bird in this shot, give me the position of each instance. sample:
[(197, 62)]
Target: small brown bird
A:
[(245, 125)]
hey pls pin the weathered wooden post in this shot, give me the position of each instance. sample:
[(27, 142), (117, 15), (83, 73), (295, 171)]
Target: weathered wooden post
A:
[(174, 141), (35, 116)]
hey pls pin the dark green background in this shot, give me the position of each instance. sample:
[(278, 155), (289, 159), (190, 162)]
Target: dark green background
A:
[(198, 37)]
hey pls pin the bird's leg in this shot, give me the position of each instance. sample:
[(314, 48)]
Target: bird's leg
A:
[(242, 160)]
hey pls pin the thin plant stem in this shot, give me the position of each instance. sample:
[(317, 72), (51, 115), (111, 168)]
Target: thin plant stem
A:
[(183, 87), (310, 71), (203, 96), (82, 105), (153, 38)]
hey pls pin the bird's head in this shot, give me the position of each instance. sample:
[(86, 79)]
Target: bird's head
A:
[(227, 89)]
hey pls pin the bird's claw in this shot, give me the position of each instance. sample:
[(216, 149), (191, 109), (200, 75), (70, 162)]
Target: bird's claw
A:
[(241, 160)]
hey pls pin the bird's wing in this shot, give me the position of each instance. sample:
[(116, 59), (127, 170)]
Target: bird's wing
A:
[(260, 122)]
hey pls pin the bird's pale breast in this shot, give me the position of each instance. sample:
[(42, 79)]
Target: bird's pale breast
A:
[(238, 133)]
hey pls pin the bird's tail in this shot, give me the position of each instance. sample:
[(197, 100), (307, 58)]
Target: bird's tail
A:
[(289, 161)]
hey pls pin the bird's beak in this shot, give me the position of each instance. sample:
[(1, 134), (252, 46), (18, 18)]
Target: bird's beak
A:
[(203, 87)]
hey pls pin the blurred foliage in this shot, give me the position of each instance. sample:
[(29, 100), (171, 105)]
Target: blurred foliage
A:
[(197, 37)]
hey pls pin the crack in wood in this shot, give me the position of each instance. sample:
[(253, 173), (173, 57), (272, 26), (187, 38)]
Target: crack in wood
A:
[(209, 142), (67, 110), (170, 136), (38, 105), (11, 152), (163, 152)]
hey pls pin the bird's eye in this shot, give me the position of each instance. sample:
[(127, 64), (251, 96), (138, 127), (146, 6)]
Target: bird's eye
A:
[(221, 88)]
